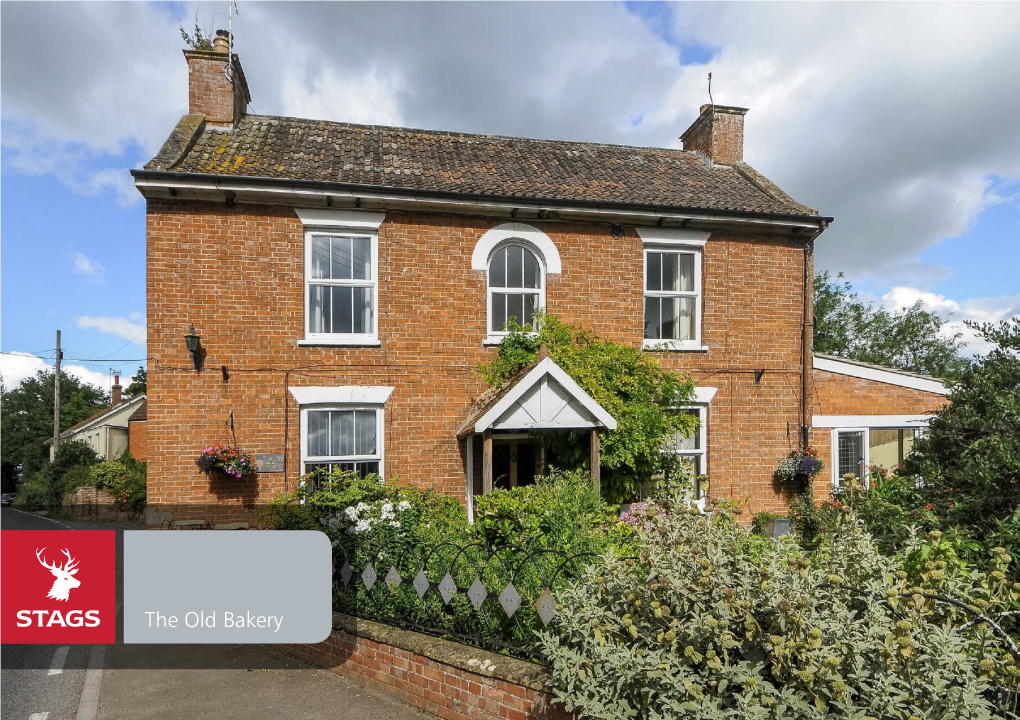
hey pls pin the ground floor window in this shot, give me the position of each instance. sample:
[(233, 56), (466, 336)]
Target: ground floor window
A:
[(694, 450), (342, 439), (855, 450)]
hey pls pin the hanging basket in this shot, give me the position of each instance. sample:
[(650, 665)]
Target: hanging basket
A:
[(223, 463)]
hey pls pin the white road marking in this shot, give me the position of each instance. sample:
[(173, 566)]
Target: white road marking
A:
[(59, 656), (43, 517), (88, 704), (38, 716)]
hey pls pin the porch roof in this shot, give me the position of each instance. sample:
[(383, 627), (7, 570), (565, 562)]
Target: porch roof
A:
[(543, 397)]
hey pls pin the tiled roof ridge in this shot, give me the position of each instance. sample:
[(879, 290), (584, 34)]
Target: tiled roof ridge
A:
[(480, 136)]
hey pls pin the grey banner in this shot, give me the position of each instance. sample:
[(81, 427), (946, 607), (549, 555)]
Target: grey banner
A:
[(227, 587)]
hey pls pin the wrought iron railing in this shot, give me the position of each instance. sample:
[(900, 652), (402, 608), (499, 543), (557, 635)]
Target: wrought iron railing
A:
[(498, 598)]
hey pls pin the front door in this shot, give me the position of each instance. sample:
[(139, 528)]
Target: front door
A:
[(515, 462)]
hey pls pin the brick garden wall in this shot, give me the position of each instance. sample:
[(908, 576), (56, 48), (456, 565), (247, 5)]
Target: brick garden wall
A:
[(440, 677), (238, 276)]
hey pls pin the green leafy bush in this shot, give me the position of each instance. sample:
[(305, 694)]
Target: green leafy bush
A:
[(627, 381), (561, 511), (32, 493), (125, 480), (76, 477), (712, 622)]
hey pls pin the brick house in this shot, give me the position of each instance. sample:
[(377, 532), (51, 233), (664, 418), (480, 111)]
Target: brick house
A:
[(345, 281)]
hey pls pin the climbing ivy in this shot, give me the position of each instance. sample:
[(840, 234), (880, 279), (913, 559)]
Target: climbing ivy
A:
[(630, 384)]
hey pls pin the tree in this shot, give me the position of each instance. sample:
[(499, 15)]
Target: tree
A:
[(911, 338), (138, 384), (27, 420), (627, 382), (968, 464)]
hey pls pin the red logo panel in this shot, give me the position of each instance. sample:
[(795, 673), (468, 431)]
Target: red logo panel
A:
[(58, 587)]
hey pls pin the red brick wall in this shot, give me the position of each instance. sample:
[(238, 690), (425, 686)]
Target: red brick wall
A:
[(837, 394), (718, 133), (209, 91), (138, 440), (433, 686), (237, 275)]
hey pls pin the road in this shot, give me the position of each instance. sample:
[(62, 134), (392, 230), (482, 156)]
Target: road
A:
[(124, 682)]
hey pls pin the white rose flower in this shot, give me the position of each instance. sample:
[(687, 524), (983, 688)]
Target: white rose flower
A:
[(403, 505)]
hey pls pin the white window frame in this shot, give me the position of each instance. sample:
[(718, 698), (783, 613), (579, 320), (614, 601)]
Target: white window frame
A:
[(677, 248), (702, 410), (494, 337), (843, 428), (350, 224), (380, 428)]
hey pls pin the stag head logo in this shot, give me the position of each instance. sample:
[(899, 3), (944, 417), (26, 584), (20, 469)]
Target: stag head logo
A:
[(65, 580)]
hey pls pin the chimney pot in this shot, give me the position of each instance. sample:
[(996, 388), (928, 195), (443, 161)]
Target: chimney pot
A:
[(718, 132), (221, 43)]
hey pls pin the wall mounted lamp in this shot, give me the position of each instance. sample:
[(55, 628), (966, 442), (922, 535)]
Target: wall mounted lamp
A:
[(194, 344)]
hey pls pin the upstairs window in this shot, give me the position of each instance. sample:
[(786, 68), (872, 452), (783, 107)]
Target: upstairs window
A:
[(672, 297), (516, 287), (341, 278)]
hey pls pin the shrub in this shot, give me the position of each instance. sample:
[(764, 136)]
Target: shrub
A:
[(125, 480), (32, 493), (712, 622), (76, 477), (561, 511)]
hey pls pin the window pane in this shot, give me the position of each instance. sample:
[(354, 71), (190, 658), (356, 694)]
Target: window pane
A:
[(362, 309), (342, 433), (515, 266), (341, 258), (668, 312), (342, 322), (694, 441), (365, 432), (851, 453), (652, 319), (515, 308), (670, 271), (365, 469), (530, 304), (320, 256), (318, 309), (532, 271), (653, 281), (685, 281), (362, 258), (497, 270), (318, 433), (686, 309), (498, 312)]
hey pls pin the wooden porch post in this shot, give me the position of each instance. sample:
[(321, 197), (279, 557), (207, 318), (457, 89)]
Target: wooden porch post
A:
[(487, 462), (596, 474)]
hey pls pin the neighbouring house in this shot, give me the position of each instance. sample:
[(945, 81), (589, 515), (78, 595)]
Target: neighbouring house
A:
[(108, 431), (321, 293)]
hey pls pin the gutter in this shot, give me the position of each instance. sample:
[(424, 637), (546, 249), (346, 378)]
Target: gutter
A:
[(173, 180)]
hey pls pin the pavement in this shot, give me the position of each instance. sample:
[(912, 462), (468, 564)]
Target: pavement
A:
[(124, 682)]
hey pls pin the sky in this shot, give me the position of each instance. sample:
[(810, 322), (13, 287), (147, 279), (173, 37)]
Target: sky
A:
[(900, 120)]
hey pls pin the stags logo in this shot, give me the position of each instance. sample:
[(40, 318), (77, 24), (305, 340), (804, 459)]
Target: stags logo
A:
[(65, 579), (43, 601)]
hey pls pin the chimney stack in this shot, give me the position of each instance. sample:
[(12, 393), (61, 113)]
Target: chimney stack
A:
[(216, 84), (718, 133), (115, 391)]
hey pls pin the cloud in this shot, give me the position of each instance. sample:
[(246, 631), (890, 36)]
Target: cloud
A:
[(122, 327), (84, 265), (982, 310), (18, 366), (897, 119)]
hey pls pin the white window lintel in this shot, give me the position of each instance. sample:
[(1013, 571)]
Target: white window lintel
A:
[(516, 231), (342, 395), (673, 236), (343, 219)]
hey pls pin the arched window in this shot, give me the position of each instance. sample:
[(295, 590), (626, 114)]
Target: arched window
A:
[(516, 286)]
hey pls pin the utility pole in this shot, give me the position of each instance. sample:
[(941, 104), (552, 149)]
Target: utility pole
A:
[(56, 398)]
